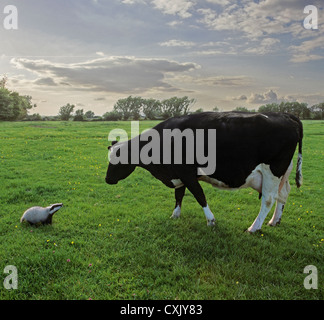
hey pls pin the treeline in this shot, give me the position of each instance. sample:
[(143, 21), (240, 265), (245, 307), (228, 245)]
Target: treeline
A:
[(135, 108), (15, 107), (301, 110), (132, 108), (151, 109)]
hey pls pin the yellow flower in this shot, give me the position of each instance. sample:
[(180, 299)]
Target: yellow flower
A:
[(72, 242), (99, 224)]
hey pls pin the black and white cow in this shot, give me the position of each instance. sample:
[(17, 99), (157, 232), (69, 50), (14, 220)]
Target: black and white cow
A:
[(252, 150)]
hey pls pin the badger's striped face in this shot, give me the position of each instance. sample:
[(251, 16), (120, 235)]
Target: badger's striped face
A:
[(55, 207)]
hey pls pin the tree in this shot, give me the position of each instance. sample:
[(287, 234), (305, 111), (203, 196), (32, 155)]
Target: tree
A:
[(175, 107), (79, 116), (66, 111), (34, 117), (112, 116), (3, 81), (270, 107), (89, 114), (151, 108), (241, 109), (317, 111), (12, 105), (129, 107)]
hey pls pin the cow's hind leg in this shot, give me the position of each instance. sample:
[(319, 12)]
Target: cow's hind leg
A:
[(284, 189), (270, 187), (195, 188), (179, 193)]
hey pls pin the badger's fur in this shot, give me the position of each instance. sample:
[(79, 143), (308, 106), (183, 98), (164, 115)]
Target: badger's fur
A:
[(41, 215)]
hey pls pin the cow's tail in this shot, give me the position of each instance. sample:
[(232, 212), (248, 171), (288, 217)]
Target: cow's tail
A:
[(299, 176)]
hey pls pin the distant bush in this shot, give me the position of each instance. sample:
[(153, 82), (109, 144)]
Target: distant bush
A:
[(112, 116)]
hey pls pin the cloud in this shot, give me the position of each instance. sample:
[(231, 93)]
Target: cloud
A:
[(225, 81), (175, 7), (257, 19), (215, 81), (220, 2), (266, 46), (45, 82), (177, 43), (260, 98), (132, 1), (180, 8), (304, 52), (241, 98), (267, 97), (120, 74)]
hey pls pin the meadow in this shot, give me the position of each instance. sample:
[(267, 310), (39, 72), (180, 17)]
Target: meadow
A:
[(118, 241)]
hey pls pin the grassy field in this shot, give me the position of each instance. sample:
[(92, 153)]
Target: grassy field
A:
[(118, 242)]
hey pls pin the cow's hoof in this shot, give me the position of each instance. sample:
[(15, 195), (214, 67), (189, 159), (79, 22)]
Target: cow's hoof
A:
[(176, 213), (211, 223), (250, 231), (273, 223)]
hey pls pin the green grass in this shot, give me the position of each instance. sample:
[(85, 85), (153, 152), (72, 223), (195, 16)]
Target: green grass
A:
[(118, 242)]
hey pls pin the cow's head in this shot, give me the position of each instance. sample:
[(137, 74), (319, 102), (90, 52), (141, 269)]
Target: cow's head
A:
[(119, 167)]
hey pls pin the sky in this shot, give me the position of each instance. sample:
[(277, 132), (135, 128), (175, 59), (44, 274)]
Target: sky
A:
[(222, 53)]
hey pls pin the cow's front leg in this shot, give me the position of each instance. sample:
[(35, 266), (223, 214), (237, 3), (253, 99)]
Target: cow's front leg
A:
[(197, 191), (179, 193)]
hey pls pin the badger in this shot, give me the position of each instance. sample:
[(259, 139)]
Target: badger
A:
[(42, 215)]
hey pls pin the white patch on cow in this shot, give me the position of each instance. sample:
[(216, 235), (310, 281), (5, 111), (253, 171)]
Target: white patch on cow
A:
[(209, 216), (176, 212), (264, 115), (254, 180), (177, 183), (270, 188)]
